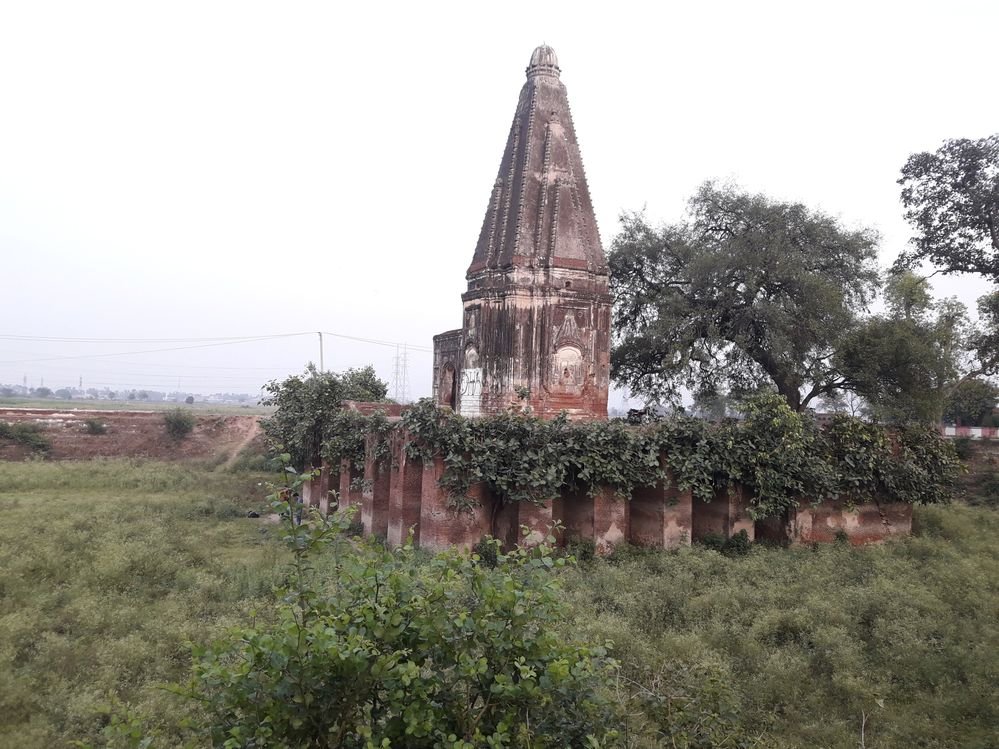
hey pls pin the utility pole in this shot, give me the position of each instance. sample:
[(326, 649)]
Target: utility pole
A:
[(321, 367)]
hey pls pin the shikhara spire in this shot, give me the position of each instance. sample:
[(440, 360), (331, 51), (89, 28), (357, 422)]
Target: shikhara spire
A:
[(539, 213), (536, 314)]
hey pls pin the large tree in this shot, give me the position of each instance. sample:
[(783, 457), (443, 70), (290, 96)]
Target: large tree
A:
[(951, 197), (908, 362), (971, 403), (747, 292)]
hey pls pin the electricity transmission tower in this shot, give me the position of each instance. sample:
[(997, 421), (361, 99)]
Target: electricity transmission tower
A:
[(400, 378)]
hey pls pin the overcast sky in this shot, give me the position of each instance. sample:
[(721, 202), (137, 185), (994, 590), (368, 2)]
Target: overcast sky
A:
[(217, 170)]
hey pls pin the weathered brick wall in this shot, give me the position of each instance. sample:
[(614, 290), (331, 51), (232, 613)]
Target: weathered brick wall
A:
[(405, 492), (400, 494), (859, 524)]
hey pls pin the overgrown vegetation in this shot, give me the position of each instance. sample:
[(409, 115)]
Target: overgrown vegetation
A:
[(111, 567), (805, 645), (179, 423), (780, 456), (25, 433), (389, 651), (785, 648), (980, 486), (95, 426), (309, 422)]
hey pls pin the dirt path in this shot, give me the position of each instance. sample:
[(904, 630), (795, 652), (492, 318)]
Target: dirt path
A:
[(251, 433)]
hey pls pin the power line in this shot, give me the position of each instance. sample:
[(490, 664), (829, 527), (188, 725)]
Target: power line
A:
[(214, 343), (220, 339), (67, 339), (393, 344), (199, 375), (152, 351)]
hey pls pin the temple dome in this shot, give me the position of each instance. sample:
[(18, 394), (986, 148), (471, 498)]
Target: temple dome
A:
[(543, 62)]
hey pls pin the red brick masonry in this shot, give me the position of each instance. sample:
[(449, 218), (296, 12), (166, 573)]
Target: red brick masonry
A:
[(402, 495)]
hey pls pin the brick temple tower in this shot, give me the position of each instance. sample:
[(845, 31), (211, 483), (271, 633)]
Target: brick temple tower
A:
[(537, 308)]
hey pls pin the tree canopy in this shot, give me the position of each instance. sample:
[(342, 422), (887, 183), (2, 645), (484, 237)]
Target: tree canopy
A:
[(905, 362), (971, 403), (951, 198), (307, 404), (908, 361), (747, 293)]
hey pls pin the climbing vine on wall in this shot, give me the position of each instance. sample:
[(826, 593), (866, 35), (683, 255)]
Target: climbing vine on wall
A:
[(779, 456), (344, 437)]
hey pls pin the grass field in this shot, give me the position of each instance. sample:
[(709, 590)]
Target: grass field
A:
[(903, 637), (112, 567), (136, 405)]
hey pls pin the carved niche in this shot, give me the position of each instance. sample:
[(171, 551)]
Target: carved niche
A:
[(567, 368)]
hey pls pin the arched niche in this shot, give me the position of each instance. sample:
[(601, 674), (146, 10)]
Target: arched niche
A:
[(567, 369), (447, 387)]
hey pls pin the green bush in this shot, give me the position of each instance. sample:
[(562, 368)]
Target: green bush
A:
[(390, 652), (487, 551), (25, 433), (735, 546), (94, 426), (309, 421), (963, 447), (179, 423), (738, 545), (713, 541), (583, 550)]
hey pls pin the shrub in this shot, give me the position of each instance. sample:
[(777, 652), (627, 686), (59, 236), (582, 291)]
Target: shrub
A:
[(583, 550), (738, 545), (452, 653), (95, 426), (963, 447), (714, 541), (355, 529), (487, 552), (179, 423), (735, 546), (25, 433)]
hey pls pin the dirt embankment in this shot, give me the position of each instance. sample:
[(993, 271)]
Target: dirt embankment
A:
[(133, 434)]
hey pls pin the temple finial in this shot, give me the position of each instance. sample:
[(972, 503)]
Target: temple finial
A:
[(543, 62)]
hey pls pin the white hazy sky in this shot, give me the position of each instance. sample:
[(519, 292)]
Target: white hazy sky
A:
[(205, 169)]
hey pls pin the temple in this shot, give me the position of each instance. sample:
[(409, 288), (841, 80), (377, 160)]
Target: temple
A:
[(536, 314), (536, 330)]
